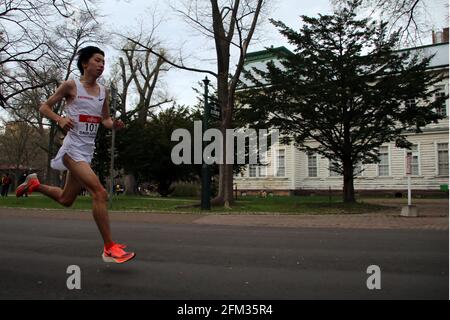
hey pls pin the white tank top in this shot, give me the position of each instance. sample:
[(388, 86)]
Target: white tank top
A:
[(86, 113)]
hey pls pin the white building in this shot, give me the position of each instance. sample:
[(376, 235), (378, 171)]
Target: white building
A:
[(291, 171)]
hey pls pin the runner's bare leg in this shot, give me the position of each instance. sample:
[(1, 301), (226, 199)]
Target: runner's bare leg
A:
[(65, 196), (84, 174)]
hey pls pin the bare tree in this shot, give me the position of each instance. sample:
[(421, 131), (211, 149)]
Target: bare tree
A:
[(231, 24), (141, 69), (24, 29), (33, 83), (24, 108), (18, 145), (411, 17), (138, 74)]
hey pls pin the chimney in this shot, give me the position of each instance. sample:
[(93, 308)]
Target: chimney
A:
[(445, 37), (440, 36)]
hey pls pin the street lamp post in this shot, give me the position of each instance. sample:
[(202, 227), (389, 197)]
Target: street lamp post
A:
[(206, 179), (113, 142)]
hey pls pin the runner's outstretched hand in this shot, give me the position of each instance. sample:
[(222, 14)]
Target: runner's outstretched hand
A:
[(118, 124)]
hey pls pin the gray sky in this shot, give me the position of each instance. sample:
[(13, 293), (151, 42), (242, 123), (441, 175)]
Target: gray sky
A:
[(175, 34), (198, 51)]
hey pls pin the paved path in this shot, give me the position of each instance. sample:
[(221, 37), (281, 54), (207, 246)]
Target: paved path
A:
[(210, 257), (433, 216)]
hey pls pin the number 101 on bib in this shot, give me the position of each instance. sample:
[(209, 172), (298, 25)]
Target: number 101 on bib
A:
[(88, 125)]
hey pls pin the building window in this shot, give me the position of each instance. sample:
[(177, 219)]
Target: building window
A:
[(411, 103), (358, 169), (262, 168), (442, 108), (281, 163), (383, 166), (442, 159), (262, 171), (312, 165), (252, 171), (333, 171)]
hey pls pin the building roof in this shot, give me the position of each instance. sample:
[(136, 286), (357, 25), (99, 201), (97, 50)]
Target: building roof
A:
[(267, 54), (440, 50)]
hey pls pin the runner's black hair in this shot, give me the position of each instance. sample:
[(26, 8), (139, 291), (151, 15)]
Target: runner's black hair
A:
[(85, 54)]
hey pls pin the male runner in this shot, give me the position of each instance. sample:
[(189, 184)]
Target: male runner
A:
[(86, 107)]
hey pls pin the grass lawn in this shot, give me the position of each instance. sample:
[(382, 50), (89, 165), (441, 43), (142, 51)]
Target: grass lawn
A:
[(244, 205)]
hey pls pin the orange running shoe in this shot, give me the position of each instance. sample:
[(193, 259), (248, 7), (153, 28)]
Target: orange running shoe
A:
[(116, 254), (31, 183)]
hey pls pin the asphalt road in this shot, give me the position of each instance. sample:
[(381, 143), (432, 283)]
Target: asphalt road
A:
[(194, 261)]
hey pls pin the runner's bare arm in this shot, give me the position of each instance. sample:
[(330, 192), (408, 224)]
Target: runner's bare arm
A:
[(106, 116), (46, 108)]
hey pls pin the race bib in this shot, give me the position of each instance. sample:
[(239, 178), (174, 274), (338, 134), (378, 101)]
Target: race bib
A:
[(88, 125)]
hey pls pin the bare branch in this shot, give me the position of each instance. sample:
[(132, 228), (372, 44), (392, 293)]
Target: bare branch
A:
[(409, 17), (245, 45), (183, 67)]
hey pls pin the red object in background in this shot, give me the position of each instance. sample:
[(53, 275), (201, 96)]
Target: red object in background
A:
[(409, 163)]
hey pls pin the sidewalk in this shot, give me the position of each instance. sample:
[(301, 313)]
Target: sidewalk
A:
[(366, 221), (434, 215)]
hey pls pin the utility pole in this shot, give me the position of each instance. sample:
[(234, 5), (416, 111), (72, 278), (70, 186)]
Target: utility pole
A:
[(408, 173), (113, 143), (206, 179), (409, 210)]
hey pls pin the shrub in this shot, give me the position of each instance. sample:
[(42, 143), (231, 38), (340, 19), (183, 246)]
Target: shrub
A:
[(187, 190)]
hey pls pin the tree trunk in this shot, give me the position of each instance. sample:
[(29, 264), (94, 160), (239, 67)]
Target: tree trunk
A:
[(228, 168), (349, 190), (52, 177), (225, 194), (130, 185), (228, 185)]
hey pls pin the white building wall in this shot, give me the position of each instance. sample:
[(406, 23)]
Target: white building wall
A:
[(297, 178), (271, 181), (428, 178)]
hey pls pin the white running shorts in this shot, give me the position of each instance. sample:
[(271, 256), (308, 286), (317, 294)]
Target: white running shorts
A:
[(58, 164)]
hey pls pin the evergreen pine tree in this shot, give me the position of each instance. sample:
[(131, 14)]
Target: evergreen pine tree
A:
[(345, 88)]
